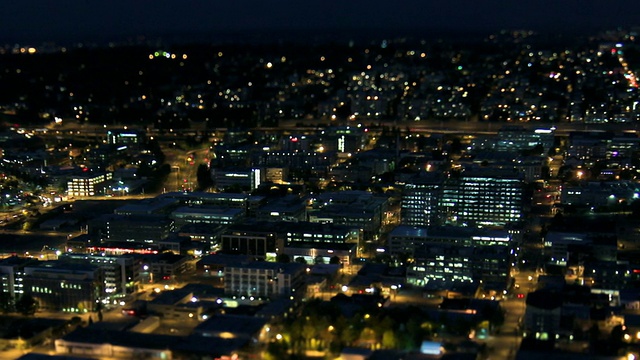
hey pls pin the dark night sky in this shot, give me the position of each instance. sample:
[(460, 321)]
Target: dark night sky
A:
[(31, 20)]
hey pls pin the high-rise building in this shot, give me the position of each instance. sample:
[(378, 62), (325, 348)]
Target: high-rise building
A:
[(482, 197), (419, 206)]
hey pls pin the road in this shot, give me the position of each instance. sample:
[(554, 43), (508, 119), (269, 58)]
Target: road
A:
[(505, 341)]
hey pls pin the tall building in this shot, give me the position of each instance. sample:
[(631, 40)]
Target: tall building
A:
[(419, 206), (482, 197)]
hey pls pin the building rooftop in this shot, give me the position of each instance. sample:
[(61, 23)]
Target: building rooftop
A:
[(208, 210), (286, 268), (444, 231), (238, 325), (224, 259), (171, 297), (146, 206), (213, 346), (543, 299)]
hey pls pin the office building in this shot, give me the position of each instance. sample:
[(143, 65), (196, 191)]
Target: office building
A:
[(264, 279), (419, 206), (137, 228), (245, 179), (405, 239), (256, 239), (12, 276), (121, 274), (358, 209), (211, 215), (125, 137), (288, 208), (63, 286), (483, 197), (88, 184), (517, 138)]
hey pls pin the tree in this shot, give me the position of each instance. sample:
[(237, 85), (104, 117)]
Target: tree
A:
[(334, 260), (389, 339), (27, 305), (301, 260), (283, 258)]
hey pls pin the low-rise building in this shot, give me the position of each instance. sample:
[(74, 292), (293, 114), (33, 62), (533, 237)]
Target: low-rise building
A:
[(62, 286), (288, 208), (88, 184), (207, 215), (264, 279)]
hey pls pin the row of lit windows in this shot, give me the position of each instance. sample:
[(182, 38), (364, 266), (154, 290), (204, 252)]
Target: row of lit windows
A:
[(39, 290)]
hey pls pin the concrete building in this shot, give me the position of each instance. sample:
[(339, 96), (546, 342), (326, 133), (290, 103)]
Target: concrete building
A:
[(288, 208), (597, 194), (420, 195), (483, 197), (177, 305), (121, 274), (12, 276), (248, 203), (164, 266), (137, 228), (264, 279), (211, 215), (88, 184), (406, 239), (517, 138), (249, 239), (102, 343), (359, 209), (246, 179), (125, 137), (61, 286), (155, 206), (322, 253)]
